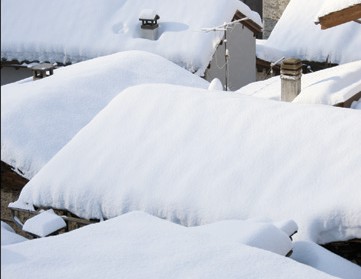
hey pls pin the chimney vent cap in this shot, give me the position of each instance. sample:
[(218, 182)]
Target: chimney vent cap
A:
[(148, 14)]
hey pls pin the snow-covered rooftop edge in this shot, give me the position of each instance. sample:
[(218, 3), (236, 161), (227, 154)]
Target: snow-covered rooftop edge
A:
[(194, 156), (39, 117), (173, 252), (333, 6), (84, 29), (296, 35), (331, 86)]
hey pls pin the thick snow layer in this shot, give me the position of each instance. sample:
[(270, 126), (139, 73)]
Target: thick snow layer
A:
[(8, 235), (215, 85), (44, 223), (39, 117), (289, 227), (147, 14), (329, 87), (296, 35), (137, 245), (263, 235), (334, 6), (73, 31), (195, 156), (318, 257)]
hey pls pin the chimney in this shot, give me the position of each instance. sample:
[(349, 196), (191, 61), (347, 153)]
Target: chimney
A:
[(149, 27), (42, 70), (291, 72)]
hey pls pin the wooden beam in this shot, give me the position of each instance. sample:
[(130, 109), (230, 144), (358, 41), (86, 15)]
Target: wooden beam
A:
[(250, 24), (333, 19)]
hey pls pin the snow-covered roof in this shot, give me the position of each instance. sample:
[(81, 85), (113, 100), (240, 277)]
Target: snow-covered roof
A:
[(196, 156), (137, 245), (329, 7), (296, 35), (329, 87), (73, 31), (39, 117), (334, 13)]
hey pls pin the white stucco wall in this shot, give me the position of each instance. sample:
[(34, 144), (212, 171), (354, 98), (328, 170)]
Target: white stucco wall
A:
[(242, 59)]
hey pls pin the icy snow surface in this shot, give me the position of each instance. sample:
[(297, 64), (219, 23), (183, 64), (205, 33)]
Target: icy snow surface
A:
[(195, 156), (8, 235), (73, 31), (329, 87), (39, 117), (296, 35), (137, 245)]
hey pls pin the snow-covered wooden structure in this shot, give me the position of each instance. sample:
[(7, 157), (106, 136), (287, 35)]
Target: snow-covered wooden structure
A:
[(334, 13)]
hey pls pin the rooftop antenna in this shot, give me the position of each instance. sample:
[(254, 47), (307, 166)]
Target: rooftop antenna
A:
[(275, 63), (224, 27)]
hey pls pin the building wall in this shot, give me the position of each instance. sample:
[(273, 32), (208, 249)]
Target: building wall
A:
[(242, 59), (272, 11), (10, 74)]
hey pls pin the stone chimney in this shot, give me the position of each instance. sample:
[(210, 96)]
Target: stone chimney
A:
[(149, 27), (291, 72)]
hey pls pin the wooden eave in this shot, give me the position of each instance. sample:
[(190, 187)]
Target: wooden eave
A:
[(349, 101), (12, 63), (263, 64), (250, 24), (23, 64), (333, 19)]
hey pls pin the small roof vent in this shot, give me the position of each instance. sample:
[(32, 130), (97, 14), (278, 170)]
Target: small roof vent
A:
[(149, 19)]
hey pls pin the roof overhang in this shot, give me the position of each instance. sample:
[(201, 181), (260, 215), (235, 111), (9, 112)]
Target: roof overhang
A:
[(352, 13), (250, 24)]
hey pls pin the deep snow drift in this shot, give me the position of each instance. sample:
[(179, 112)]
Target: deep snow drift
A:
[(39, 117), (194, 156), (137, 245)]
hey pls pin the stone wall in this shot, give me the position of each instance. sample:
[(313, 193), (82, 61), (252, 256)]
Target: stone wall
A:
[(11, 185), (272, 11)]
